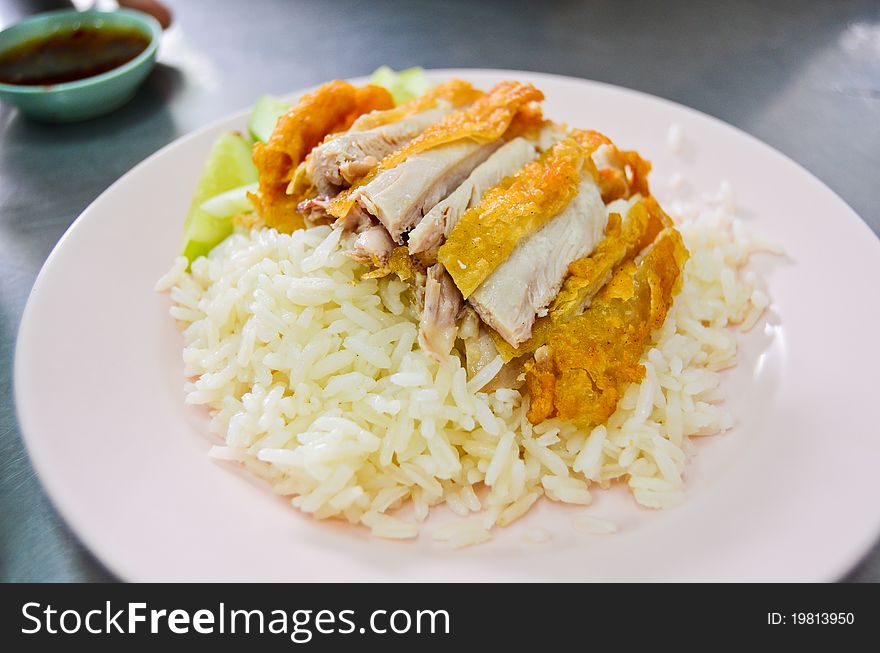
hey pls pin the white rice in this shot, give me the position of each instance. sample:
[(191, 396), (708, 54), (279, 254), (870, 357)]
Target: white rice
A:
[(590, 524), (537, 535), (315, 383), (675, 138)]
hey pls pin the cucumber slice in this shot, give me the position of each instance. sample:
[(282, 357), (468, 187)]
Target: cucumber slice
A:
[(266, 112), (228, 167), (232, 202), (404, 86)]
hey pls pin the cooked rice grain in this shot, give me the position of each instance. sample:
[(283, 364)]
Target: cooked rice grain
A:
[(314, 381)]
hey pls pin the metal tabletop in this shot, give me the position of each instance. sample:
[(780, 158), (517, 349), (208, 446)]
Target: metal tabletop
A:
[(803, 76)]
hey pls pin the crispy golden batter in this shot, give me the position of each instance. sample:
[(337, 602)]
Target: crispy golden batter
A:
[(517, 207), (527, 123), (248, 220), (330, 108), (484, 121), (627, 177), (541, 386), (399, 263), (589, 274), (590, 139), (456, 91), (277, 208), (628, 174), (580, 374)]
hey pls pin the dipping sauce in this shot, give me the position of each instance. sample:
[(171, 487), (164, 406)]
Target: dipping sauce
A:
[(71, 55)]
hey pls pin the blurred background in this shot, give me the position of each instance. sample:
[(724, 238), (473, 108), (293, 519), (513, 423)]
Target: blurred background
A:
[(803, 76)]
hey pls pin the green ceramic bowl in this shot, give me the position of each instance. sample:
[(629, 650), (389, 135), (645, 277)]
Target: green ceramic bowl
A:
[(91, 96)]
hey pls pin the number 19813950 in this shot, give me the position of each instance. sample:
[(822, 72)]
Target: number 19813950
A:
[(810, 618)]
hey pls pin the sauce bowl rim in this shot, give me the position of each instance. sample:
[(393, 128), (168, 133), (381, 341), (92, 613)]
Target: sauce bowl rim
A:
[(133, 18)]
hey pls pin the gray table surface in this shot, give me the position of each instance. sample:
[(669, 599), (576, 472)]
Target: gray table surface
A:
[(802, 76)]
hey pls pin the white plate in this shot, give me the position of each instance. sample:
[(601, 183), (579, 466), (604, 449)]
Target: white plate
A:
[(789, 494)]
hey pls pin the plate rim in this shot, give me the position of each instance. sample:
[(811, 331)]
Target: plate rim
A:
[(833, 571)]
